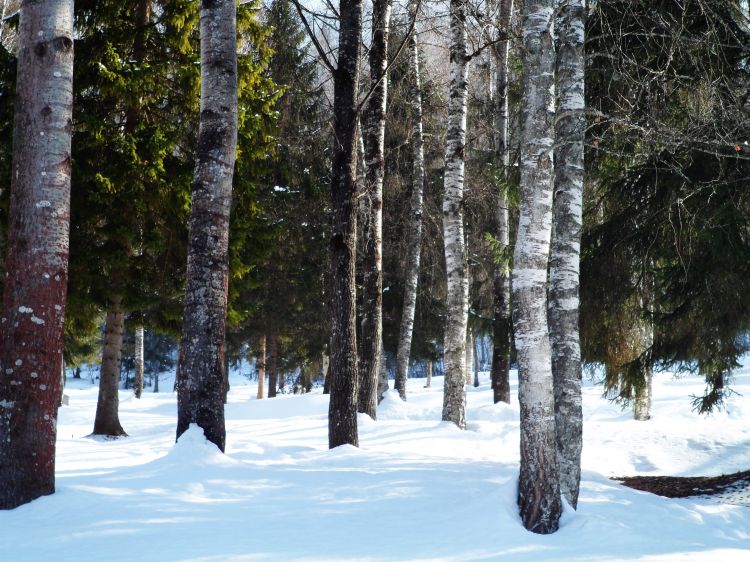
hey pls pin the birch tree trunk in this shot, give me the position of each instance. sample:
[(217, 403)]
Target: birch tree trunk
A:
[(454, 394), (139, 332), (539, 486), (107, 420), (428, 384), (273, 365), (31, 325), (414, 235), (469, 356), (132, 116), (342, 408), (501, 337), (200, 392), (261, 367), (476, 364), (645, 339), (374, 137), (570, 127)]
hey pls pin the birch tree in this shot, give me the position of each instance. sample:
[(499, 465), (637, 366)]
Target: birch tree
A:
[(374, 137), (414, 243), (538, 486), (138, 386), (36, 265), (502, 323), (565, 256), (454, 395), (202, 366)]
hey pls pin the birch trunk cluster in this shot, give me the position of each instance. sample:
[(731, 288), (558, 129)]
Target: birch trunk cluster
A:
[(454, 395), (564, 265), (342, 409), (202, 368), (538, 487), (502, 322), (33, 315), (414, 228), (374, 137)]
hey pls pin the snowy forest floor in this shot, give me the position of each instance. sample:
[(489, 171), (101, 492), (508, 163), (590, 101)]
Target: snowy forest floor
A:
[(417, 489)]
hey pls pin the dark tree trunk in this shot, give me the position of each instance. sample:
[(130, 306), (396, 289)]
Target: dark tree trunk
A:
[(342, 410), (273, 365), (261, 367), (31, 326), (374, 137), (502, 322), (564, 267), (77, 373), (414, 243), (200, 399), (538, 484), (107, 421)]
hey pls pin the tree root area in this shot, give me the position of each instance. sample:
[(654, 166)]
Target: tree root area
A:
[(683, 487)]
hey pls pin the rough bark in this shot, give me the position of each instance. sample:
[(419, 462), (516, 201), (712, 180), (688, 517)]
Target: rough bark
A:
[(261, 366), (273, 365), (107, 420), (538, 487), (200, 399), (454, 394), (502, 323), (31, 326), (570, 128), (414, 233), (342, 409), (374, 137), (138, 386)]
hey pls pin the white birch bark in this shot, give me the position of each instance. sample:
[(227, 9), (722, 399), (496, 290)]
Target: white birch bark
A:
[(372, 333), (414, 242), (538, 487), (454, 394), (570, 127), (138, 387)]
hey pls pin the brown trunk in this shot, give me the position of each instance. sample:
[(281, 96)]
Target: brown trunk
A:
[(31, 326), (261, 366), (107, 421), (273, 365)]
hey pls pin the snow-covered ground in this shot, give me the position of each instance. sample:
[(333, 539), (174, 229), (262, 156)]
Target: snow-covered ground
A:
[(417, 489)]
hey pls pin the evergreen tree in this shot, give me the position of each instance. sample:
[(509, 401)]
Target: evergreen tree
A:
[(666, 211)]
